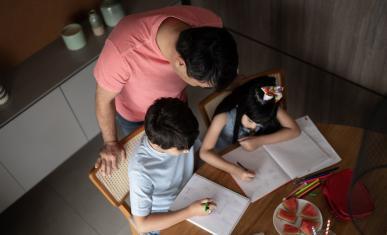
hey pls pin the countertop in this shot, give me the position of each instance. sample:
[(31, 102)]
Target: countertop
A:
[(44, 71)]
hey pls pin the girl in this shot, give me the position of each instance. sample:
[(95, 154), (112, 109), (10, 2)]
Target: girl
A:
[(250, 116)]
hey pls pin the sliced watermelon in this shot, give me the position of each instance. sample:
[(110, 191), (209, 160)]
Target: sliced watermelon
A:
[(291, 205), (309, 211), (307, 225), (287, 216), (290, 230)]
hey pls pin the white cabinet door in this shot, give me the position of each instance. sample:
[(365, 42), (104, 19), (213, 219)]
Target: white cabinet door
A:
[(80, 93), (40, 139), (10, 190)]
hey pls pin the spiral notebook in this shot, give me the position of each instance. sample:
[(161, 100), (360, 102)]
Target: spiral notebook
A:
[(230, 205), (277, 164)]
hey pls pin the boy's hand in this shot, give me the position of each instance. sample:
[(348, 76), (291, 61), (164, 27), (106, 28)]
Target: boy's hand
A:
[(243, 173), (110, 156), (198, 208)]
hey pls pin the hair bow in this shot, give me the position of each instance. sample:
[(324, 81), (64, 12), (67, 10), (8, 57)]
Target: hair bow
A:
[(272, 91)]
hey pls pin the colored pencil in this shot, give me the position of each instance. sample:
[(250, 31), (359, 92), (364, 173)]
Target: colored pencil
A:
[(307, 186), (309, 190), (294, 191)]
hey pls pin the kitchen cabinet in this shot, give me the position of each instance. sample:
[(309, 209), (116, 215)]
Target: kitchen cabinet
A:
[(10, 189), (80, 93), (40, 139)]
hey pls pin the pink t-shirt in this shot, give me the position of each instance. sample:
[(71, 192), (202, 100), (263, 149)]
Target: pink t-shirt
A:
[(132, 65)]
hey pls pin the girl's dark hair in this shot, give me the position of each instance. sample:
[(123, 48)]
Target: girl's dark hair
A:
[(248, 99), (169, 122)]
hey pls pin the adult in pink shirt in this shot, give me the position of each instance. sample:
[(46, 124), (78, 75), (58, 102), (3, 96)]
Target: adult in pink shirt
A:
[(157, 54)]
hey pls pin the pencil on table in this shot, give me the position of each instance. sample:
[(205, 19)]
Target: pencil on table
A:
[(309, 190), (294, 191), (307, 187)]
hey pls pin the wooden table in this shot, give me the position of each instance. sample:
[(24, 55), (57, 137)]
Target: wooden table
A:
[(259, 215)]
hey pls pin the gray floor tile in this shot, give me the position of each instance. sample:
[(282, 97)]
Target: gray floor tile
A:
[(71, 182), (125, 230), (42, 212)]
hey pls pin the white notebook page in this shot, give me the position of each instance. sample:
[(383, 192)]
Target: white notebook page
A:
[(230, 205), (299, 156), (307, 125), (269, 175)]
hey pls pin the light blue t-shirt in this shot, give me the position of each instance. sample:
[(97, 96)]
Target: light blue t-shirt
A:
[(227, 133), (156, 178)]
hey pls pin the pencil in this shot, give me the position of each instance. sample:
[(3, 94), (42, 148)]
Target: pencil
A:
[(307, 186), (294, 191), (244, 168), (309, 190)]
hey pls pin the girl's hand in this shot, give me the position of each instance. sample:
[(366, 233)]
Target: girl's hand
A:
[(249, 143), (198, 208), (243, 174)]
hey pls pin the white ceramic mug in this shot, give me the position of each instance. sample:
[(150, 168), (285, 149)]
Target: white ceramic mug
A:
[(73, 37)]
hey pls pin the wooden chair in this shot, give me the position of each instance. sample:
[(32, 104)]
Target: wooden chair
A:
[(115, 187), (208, 105)]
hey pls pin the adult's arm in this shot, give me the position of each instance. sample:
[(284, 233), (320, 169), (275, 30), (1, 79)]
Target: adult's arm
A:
[(112, 152)]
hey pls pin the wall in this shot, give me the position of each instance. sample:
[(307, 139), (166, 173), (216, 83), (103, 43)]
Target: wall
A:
[(345, 37), (28, 26)]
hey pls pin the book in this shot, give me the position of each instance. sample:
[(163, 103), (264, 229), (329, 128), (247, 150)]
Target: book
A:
[(230, 205), (277, 164)]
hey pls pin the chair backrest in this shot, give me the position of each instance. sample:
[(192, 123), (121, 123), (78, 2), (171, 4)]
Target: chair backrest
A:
[(115, 187), (208, 105)]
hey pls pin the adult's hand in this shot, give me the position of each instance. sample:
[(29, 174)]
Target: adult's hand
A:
[(109, 157)]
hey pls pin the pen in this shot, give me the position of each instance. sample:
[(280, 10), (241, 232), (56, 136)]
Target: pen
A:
[(320, 178), (318, 174), (244, 168)]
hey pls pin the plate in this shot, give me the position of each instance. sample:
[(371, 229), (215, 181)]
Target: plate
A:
[(279, 223)]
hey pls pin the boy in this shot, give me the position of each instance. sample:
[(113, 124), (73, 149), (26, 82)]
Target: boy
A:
[(162, 166)]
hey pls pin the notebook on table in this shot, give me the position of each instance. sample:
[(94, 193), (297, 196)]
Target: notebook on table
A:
[(230, 205), (277, 164)]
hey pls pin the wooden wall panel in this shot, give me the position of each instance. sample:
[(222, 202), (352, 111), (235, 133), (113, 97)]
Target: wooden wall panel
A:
[(257, 19), (344, 37), (27, 26), (322, 96)]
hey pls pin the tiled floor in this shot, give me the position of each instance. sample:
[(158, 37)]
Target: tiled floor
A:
[(65, 203)]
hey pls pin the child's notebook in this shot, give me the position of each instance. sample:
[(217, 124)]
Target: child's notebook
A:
[(277, 164), (230, 206)]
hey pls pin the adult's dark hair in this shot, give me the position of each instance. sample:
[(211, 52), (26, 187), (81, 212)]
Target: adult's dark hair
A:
[(210, 55), (248, 99), (169, 122)]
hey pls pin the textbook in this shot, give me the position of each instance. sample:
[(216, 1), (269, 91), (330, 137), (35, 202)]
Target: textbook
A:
[(277, 164), (230, 205)]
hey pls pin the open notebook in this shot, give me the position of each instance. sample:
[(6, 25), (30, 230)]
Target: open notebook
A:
[(277, 164), (230, 206)]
